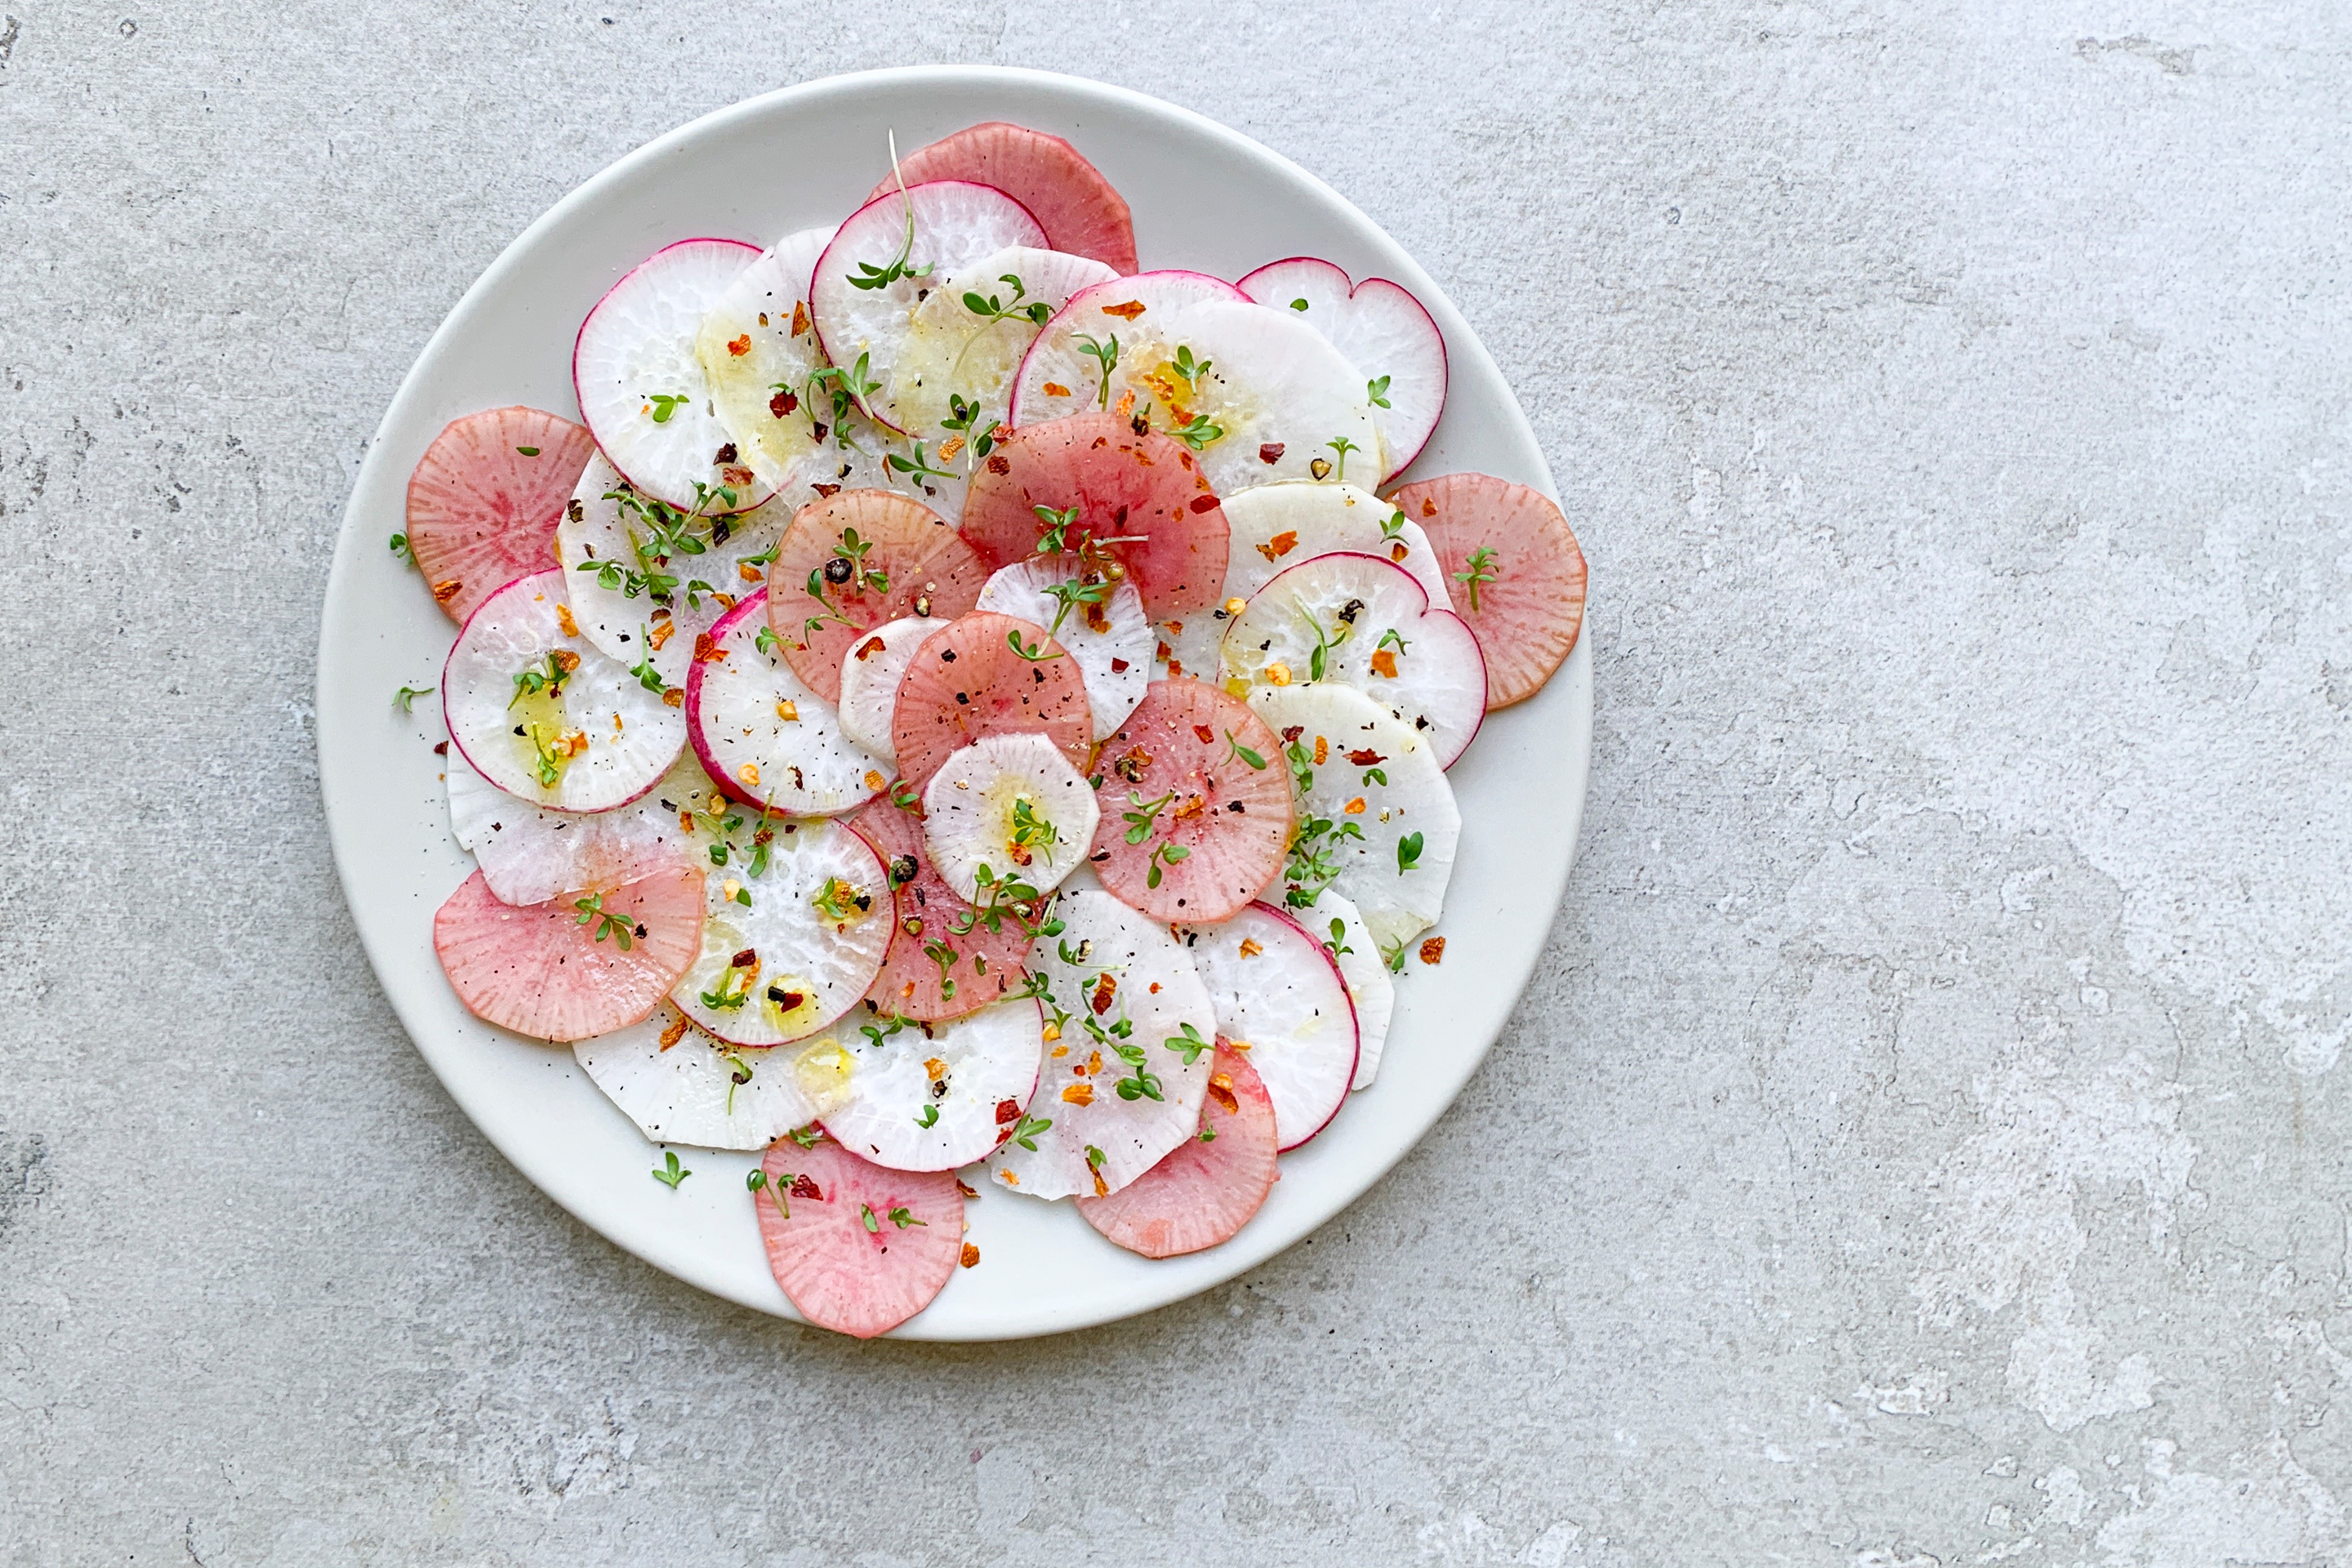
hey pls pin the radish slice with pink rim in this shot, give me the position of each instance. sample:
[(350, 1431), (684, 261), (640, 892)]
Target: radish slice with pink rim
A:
[(485, 497), (680, 1086), (1384, 331), (1280, 1000), (1290, 522), (1081, 210), (756, 337), (858, 1247), (1335, 921), (532, 853), (1108, 636), (931, 1097), (853, 561), (1512, 545), (559, 971), (870, 672), (1008, 812), (1182, 763), (932, 970), (967, 682), (1208, 1187), (953, 355), (765, 738)]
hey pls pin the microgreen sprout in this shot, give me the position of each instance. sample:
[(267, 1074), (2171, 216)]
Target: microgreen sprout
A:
[(903, 1218), (399, 548), (1480, 570), (619, 927), (1053, 540), (1236, 752), (1139, 1084), (1376, 392), (671, 1173), (533, 680), (988, 307), (1188, 1042), (1104, 355), (1025, 1131), (1343, 446), (928, 1117), (406, 697), (1338, 943), (665, 404), (1189, 369), (1407, 853), (1198, 432)]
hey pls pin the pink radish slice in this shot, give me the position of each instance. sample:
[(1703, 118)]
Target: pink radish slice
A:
[(641, 388), (1230, 817), (862, 1248), (541, 970), (981, 965), (1382, 330), (1110, 639), (1280, 999), (1208, 1187), (926, 1097), (870, 673), (1080, 211), (1139, 497), (1008, 808), (596, 739), (952, 352), (1339, 925), (1290, 522), (764, 736), (966, 682), (680, 1086), (823, 594), (485, 497), (532, 853), (1530, 574)]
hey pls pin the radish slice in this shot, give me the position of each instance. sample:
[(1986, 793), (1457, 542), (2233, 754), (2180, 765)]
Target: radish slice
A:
[(530, 853), (1279, 526), (1337, 923), (1518, 570), (1208, 1187), (1193, 827), (1377, 820), (952, 351), (1081, 212), (1385, 333), (1194, 644), (560, 971), (485, 500), (967, 682), (1108, 636), (932, 1097), (1114, 981), (858, 1249), (679, 1086), (870, 673), (1008, 811), (790, 939), (1358, 620), (768, 740), (934, 971), (1138, 497), (1280, 998), (1259, 393), (758, 350), (853, 561), (541, 714), (643, 392)]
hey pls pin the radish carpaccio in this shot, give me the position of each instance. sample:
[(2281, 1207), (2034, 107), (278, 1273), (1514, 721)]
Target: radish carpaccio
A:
[(955, 701)]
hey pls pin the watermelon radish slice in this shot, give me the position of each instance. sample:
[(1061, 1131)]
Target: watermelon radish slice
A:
[(951, 351), (870, 673), (757, 350), (933, 971), (1114, 981), (1360, 621), (858, 1249), (1007, 810), (541, 714), (1383, 330), (1257, 393), (1196, 805), (1081, 212), (790, 939), (1208, 1187), (558, 971), (765, 738), (530, 853), (485, 500), (1140, 499), (1337, 923), (1519, 574), (1377, 819), (931, 1097), (641, 390), (1106, 632), (968, 681), (853, 561), (1279, 526), (1280, 999), (680, 1086)]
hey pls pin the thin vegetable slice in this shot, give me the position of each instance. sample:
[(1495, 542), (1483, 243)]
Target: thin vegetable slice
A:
[(1207, 1188), (1290, 521), (1281, 1001), (681, 1086), (1099, 620), (1079, 209), (931, 1097), (1517, 573), (988, 675), (952, 380), (853, 561), (870, 672), (485, 500), (758, 350), (858, 1247), (1384, 332), (568, 968), (1195, 805), (530, 853), (1334, 921), (1008, 817), (945, 960), (768, 740)]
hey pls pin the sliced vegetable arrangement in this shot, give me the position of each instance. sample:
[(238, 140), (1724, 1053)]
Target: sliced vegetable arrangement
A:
[(958, 703)]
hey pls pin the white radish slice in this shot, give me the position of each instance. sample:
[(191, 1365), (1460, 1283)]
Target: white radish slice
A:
[(870, 673), (680, 1086), (1281, 1002), (1385, 333), (1272, 399), (763, 735), (641, 390), (1375, 812), (1335, 921), (590, 741), (1112, 977), (758, 349), (950, 348), (919, 239), (1008, 808), (1193, 645), (931, 1097), (1110, 639), (1285, 524), (790, 939), (530, 853), (1359, 620)]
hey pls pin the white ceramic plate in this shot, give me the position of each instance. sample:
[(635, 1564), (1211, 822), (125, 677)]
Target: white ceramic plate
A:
[(1204, 198)]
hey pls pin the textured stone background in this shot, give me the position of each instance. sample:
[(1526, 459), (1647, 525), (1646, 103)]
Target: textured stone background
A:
[(1923, 1141)]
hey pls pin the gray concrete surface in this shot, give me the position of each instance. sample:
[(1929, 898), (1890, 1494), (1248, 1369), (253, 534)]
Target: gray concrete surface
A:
[(1923, 1140)]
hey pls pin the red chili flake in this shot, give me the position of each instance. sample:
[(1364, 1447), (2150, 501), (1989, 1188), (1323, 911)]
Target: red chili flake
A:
[(1208, 736), (828, 491), (1106, 988), (736, 474), (440, 748), (744, 960), (870, 646), (998, 464), (1125, 312), (806, 1187), (706, 649), (1270, 453), (1428, 506), (967, 1190), (1007, 1111), (446, 589), (971, 1253), (740, 346), (727, 454), (799, 316), (1366, 757), (784, 403), (1204, 503), (1291, 734), (1433, 950), (1118, 666)]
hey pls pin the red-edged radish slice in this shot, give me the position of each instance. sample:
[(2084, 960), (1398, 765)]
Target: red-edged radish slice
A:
[(485, 497), (1138, 497), (640, 389), (870, 673), (680, 1086), (968, 681), (789, 940), (1208, 1187), (1511, 545), (1195, 805), (951, 352), (768, 740), (1107, 634), (1285, 524), (1257, 393), (1335, 921), (1115, 983), (1080, 211), (1377, 819), (858, 1247), (853, 561), (1358, 620), (1008, 810), (1280, 998), (926, 1097), (530, 853), (933, 971), (590, 741), (560, 971), (1382, 330), (758, 350)]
